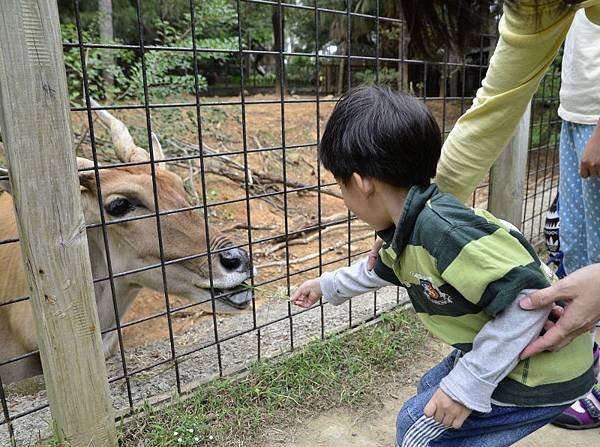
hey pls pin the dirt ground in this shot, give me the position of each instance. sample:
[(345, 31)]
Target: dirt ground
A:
[(377, 427)]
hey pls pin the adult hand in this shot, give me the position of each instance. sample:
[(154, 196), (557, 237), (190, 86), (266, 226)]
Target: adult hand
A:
[(581, 293), (372, 259), (590, 160)]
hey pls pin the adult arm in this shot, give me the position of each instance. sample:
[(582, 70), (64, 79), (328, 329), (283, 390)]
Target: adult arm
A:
[(581, 292), (526, 48)]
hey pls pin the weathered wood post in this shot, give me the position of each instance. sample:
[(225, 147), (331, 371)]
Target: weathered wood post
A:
[(508, 176), (34, 114)]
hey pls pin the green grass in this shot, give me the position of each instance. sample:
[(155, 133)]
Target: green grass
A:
[(348, 371)]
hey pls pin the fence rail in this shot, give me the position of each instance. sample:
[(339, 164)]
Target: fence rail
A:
[(254, 190)]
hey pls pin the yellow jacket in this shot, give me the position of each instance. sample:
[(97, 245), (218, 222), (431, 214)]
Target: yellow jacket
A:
[(526, 48)]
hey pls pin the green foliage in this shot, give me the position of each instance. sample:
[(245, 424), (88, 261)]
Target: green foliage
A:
[(257, 23), (167, 72), (545, 130), (216, 18), (96, 62), (387, 76)]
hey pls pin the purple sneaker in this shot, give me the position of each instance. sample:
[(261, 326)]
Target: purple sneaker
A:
[(583, 414)]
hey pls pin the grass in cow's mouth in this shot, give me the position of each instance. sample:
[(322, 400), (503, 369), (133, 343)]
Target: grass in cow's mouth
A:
[(243, 287), (246, 286), (342, 371)]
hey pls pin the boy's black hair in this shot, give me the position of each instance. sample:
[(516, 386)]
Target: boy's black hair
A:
[(383, 134)]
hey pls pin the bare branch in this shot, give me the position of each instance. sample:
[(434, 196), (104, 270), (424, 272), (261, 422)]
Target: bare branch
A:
[(308, 239), (251, 227), (222, 157), (84, 134), (314, 255)]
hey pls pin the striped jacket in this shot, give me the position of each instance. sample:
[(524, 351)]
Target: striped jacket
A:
[(461, 267)]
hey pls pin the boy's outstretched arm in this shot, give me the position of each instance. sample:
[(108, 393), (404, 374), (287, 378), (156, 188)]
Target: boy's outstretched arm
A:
[(338, 286)]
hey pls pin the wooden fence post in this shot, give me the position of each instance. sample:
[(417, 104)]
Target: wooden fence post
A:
[(42, 169), (508, 176)]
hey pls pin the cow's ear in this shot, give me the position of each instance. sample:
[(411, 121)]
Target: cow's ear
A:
[(4, 183), (87, 179)]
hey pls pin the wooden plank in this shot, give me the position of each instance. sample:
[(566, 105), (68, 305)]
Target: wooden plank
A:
[(42, 169), (508, 176)]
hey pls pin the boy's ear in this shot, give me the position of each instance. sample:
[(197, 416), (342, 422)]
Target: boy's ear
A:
[(365, 185)]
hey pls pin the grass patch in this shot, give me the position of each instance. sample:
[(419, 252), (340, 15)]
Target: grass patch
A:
[(342, 371)]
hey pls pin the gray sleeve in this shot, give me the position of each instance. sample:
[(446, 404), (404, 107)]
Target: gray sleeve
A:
[(495, 354), (346, 282)]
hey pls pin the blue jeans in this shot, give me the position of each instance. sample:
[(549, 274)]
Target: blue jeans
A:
[(579, 201), (502, 426)]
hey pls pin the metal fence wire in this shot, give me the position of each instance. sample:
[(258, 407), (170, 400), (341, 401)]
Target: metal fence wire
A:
[(543, 160), (254, 191)]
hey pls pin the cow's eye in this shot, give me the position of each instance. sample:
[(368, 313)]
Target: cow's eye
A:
[(119, 207)]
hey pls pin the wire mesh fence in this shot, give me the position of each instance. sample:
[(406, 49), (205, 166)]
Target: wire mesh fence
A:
[(197, 240), (543, 160)]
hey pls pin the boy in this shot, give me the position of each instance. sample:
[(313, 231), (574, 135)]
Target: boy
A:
[(463, 270)]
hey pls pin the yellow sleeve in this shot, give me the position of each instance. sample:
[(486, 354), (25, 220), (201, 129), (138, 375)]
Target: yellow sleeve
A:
[(592, 10), (526, 48)]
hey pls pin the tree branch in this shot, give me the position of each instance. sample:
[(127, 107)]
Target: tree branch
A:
[(314, 255)]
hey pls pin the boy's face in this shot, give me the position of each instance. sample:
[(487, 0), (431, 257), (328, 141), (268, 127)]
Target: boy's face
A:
[(361, 197)]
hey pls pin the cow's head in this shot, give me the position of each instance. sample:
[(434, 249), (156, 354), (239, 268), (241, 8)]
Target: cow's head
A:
[(134, 195)]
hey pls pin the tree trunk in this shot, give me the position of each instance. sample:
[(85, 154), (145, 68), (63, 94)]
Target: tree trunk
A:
[(454, 75), (278, 26), (341, 71), (403, 80), (443, 81), (106, 34), (247, 58)]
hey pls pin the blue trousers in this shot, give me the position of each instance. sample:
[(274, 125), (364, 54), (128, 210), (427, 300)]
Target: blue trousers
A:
[(579, 201), (502, 426)]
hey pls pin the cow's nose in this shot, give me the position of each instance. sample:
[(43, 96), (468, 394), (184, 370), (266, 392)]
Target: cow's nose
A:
[(235, 260)]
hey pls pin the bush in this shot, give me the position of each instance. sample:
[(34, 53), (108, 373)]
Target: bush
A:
[(167, 72), (97, 61), (387, 76)]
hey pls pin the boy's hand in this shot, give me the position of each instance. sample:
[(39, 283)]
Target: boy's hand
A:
[(307, 294), (446, 411), (374, 253)]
